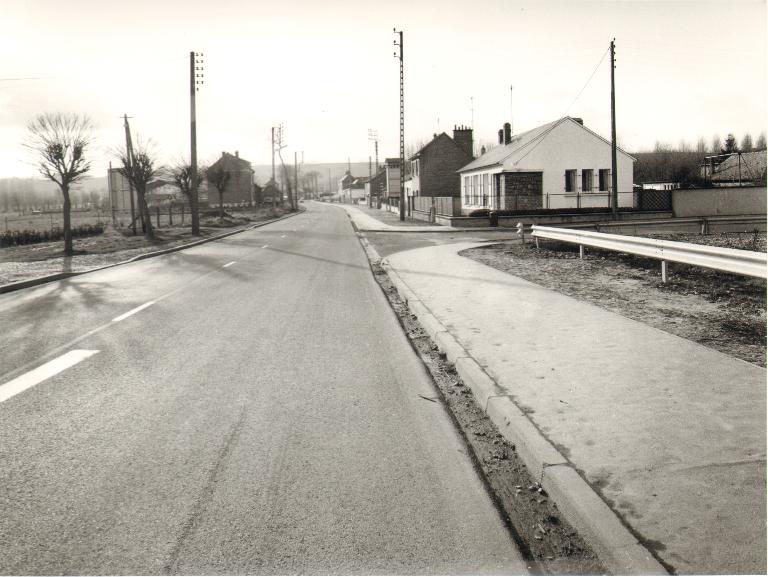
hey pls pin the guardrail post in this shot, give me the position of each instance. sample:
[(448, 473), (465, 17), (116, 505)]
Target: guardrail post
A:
[(521, 232), (581, 251), (664, 271)]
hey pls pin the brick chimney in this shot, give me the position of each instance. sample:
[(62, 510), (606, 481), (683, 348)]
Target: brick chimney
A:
[(237, 154), (462, 135), (507, 133), (579, 120), (501, 137)]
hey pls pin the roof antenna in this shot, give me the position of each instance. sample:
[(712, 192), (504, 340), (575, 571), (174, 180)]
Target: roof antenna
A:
[(511, 111)]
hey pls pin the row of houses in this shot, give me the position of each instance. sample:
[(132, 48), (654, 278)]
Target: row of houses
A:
[(240, 187), (562, 164)]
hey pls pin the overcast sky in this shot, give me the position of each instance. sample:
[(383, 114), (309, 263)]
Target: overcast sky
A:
[(326, 71)]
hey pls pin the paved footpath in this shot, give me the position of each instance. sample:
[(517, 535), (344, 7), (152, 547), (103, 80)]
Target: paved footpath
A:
[(671, 434)]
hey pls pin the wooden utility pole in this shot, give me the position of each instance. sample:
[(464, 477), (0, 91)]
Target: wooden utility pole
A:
[(296, 179), (129, 157), (614, 168), (195, 76), (402, 126)]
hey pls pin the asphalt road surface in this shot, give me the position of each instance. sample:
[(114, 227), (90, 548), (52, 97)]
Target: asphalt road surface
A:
[(246, 406)]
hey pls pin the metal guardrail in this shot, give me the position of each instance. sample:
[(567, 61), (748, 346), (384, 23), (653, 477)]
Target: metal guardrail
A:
[(743, 262)]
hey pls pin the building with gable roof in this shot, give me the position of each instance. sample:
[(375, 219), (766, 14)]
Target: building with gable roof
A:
[(561, 164), (433, 169), (240, 186)]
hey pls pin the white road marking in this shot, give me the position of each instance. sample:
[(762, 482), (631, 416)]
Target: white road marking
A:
[(229, 264), (282, 236), (265, 246), (43, 372), (132, 312)]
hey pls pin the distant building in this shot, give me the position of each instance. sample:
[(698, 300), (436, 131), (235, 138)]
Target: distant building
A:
[(271, 194), (736, 169), (660, 185), (385, 184), (434, 168), (161, 192), (351, 188), (240, 186), (119, 191), (562, 164)]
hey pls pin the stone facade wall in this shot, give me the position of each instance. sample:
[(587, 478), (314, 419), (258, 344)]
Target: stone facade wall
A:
[(522, 191)]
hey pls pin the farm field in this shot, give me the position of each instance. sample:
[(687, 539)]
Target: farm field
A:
[(18, 263), (722, 311)]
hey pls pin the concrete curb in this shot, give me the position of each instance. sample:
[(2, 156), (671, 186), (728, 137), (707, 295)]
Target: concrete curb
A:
[(10, 287), (615, 545)]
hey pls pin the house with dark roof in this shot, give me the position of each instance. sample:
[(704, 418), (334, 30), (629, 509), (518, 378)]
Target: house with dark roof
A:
[(433, 169), (240, 186), (351, 188), (737, 169), (561, 164)]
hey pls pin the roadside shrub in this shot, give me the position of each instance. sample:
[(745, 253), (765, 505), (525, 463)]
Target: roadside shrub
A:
[(22, 237)]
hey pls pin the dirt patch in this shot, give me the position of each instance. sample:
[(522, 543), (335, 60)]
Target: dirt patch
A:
[(722, 311), (549, 543), (115, 245)]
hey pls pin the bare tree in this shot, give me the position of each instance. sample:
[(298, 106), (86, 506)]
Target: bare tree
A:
[(760, 144), (60, 142), (139, 168), (219, 177), (746, 143), (730, 145), (701, 145)]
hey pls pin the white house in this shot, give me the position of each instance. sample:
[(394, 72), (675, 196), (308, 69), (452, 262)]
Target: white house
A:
[(562, 164)]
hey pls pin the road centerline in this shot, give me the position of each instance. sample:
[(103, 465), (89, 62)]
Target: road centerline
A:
[(43, 372), (132, 312), (229, 264)]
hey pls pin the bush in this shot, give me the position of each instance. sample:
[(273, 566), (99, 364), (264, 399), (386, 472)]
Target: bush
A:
[(22, 237)]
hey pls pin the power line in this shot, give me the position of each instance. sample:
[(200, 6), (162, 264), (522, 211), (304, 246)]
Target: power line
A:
[(587, 83)]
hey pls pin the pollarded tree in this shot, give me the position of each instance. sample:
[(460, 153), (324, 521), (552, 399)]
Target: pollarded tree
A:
[(181, 175), (61, 142), (219, 177), (139, 168)]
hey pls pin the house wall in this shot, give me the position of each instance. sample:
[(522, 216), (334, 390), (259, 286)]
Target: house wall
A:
[(568, 146), (437, 170), (239, 188), (521, 191)]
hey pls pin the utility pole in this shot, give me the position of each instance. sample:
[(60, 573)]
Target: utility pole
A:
[(296, 176), (129, 157), (195, 78), (374, 136), (614, 175), (402, 125), (511, 111)]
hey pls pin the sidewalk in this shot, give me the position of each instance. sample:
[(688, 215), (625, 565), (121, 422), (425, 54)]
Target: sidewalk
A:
[(375, 220), (671, 435)]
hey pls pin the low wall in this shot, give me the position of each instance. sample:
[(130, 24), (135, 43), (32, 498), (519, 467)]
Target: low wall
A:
[(719, 201), (546, 219)]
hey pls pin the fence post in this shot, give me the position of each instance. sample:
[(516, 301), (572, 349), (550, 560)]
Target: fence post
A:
[(182, 214), (170, 214), (158, 216)]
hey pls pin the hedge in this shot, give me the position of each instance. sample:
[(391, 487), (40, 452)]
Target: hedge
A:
[(21, 237)]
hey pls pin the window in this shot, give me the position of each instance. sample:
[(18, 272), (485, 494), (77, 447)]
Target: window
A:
[(485, 190), (570, 180), (604, 176), (476, 189), (586, 179), (466, 190)]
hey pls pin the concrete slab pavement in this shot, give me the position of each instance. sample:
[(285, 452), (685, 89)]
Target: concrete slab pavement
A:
[(668, 433), (368, 223)]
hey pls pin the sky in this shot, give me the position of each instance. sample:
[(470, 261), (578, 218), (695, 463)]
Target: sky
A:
[(326, 71)]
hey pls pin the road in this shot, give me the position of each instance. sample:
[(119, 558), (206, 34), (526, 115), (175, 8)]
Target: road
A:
[(249, 405)]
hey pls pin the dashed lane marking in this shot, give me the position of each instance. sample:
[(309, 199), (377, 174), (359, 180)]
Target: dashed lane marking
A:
[(229, 264), (132, 312), (43, 372), (265, 246)]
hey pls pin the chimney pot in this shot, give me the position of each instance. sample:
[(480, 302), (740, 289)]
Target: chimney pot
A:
[(237, 154), (501, 136), (579, 120), (507, 133)]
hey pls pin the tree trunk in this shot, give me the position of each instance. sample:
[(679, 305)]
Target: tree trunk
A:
[(221, 205), (146, 218), (68, 248)]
